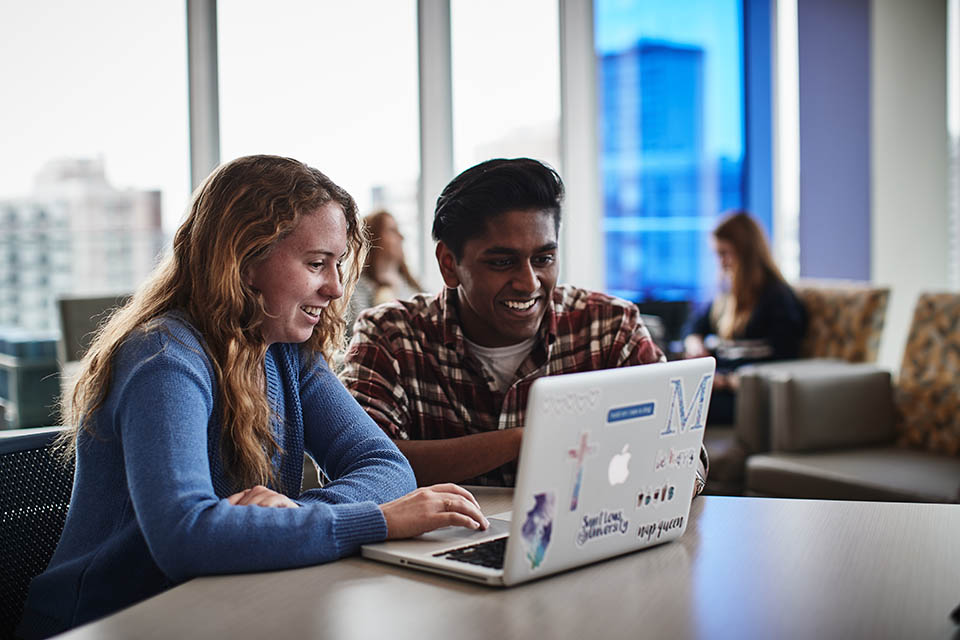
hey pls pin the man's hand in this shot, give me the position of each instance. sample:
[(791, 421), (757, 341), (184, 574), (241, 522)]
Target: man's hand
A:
[(461, 458), (260, 496), (429, 508)]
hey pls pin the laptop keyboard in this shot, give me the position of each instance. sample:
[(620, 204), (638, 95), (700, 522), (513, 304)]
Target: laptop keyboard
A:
[(485, 554)]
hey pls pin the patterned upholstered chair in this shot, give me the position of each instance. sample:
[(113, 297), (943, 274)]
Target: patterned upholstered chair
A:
[(845, 319), (856, 434), (927, 393), (844, 325)]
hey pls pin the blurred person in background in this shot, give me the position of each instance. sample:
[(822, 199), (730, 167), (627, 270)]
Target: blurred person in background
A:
[(756, 316), (385, 275)]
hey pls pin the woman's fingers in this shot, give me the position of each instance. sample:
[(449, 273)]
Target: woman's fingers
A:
[(260, 496), (430, 508), (235, 498), (466, 505), (457, 489)]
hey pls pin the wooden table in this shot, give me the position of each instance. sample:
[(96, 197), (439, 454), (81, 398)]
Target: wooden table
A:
[(745, 568)]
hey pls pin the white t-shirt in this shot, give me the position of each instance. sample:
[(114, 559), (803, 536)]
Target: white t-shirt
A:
[(502, 362)]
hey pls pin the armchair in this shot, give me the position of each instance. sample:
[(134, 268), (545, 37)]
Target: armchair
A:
[(852, 433)]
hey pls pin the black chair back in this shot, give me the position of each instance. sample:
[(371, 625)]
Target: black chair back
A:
[(35, 488)]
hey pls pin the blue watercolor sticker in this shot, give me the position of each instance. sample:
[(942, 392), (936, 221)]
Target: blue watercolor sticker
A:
[(538, 527), (644, 410)]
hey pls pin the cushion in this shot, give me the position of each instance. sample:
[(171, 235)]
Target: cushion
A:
[(878, 473), (753, 396), (844, 319), (837, 405), (927, 398)]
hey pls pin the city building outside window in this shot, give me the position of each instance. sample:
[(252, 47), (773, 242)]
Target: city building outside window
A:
[(95, 149), (671, 109)]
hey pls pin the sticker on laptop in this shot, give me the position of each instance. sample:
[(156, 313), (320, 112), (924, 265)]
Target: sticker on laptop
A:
[(656, 496), (538, 527), (690, 416), (579, 454), (654, 530), (571, 403), (602, 525), (631, 412), (676, 458)]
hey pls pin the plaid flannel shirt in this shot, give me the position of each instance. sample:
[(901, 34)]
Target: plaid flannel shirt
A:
[(409, 367)]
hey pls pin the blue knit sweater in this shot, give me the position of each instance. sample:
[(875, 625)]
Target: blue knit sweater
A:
[(148, 508)]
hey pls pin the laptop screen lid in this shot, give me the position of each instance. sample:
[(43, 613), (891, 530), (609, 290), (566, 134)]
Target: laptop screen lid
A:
[(607, 465)]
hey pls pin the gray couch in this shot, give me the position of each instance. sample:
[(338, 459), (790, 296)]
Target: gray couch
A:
[(829, 433)]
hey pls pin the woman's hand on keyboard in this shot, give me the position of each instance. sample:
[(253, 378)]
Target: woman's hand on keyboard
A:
[(429, 508)]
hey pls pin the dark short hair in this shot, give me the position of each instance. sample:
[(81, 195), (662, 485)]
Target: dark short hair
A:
[(492, 188)]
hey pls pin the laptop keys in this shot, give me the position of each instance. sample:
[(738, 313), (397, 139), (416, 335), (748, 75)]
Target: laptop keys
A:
[(485, 554)]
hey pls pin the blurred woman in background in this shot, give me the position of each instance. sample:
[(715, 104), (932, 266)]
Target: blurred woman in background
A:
[(756, 316), (385, 275)]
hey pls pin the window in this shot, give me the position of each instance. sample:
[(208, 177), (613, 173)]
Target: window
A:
[(333, 84), (953, 130), (100, 107), (506, 81), (671, 86)]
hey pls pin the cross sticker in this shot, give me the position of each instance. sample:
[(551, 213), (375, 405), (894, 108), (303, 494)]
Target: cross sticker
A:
[(580, 453)]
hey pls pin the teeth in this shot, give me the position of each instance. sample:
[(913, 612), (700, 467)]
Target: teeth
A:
[(313, 311), (520, 306)]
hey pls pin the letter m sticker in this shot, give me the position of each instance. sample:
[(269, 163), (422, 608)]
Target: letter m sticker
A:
[(690, 416)]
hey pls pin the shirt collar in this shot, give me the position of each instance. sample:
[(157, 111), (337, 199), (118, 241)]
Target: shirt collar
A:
[(450, 320)]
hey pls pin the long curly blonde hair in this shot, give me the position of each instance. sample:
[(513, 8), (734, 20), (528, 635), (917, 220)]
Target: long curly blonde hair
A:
[(237, 216)]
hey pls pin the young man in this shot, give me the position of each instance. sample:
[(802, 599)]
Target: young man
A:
[(447, 376)]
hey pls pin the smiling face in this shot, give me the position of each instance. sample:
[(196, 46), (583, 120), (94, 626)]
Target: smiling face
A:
[(505, 278), (300, 275)]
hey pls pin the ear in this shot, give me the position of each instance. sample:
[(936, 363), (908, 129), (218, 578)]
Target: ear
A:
[(448, 266), (248, 275)]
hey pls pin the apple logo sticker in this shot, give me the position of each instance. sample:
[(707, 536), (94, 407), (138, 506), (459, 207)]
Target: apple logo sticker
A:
[(619, 468)]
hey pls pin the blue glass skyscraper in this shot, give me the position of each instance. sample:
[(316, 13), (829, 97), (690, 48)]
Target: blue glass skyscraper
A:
[(671, 129)]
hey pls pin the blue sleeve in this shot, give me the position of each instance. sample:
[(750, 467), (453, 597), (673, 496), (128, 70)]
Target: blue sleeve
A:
[(162, 410), (360, 460)]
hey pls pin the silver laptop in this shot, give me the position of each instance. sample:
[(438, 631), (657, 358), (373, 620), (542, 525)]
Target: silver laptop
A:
[(607, 466)]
